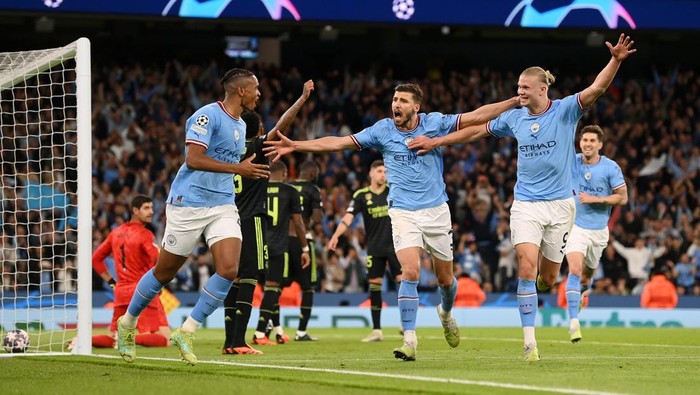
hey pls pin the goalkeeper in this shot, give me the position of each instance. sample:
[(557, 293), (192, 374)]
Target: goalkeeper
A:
[(131, 244)]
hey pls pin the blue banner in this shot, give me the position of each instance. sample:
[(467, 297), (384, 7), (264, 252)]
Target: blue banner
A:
[(610, 14)]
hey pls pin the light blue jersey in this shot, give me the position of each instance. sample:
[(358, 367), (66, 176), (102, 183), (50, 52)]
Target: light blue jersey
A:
[(223, 136), (545, 148), (415, 181), (599, 179)]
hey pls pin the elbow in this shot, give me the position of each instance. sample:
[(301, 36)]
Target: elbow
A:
[(191, 163), (623, 202)]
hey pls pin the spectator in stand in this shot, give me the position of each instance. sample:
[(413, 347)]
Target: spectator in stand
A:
[(684, 273), (659, 293), (469, 292), (640, 259)]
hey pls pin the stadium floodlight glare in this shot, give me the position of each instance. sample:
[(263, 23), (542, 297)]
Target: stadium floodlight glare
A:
[(46, 191)]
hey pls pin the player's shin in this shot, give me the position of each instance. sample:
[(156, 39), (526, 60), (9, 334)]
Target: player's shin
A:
[(211, 297), (147, 289), (527, 306)]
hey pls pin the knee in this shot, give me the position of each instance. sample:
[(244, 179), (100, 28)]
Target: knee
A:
[(228, 273), (410, 274), (549, 278)]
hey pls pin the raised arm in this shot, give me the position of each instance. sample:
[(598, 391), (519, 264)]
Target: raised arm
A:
[(486, 112), (619, 52), (465, 135), (324, 144), (288, 117)]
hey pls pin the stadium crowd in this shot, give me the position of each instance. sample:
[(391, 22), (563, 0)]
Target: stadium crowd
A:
[(652, 123)]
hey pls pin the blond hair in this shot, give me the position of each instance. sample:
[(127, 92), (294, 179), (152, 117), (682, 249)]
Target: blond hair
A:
[(542, 75)]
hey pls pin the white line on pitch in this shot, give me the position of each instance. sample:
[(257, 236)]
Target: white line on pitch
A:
[(494, 384)]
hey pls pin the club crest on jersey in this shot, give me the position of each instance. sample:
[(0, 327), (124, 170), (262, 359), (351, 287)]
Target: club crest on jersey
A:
[(368, 198), (202, 120), (534, 128), (236, 134), (407, 140), (587, 176)]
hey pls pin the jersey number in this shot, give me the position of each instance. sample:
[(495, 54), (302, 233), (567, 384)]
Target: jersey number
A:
[(121, 247), (237, 183), (273, 209)]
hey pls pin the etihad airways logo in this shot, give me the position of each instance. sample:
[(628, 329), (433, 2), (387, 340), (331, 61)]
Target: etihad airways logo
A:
[(537, 149), (610, 10)]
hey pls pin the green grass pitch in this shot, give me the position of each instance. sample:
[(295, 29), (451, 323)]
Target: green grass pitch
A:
[(607, 361)]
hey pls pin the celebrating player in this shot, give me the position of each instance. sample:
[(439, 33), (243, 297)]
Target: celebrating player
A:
[(600, 186), (543, 211), (201, 202), (418, 210)]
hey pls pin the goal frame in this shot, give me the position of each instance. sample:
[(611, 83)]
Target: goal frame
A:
[(81, 52)]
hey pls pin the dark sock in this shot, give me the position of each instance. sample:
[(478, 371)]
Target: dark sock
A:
[(244, 305), (307, 302), (230, 313), (270, 299), (375, 298)]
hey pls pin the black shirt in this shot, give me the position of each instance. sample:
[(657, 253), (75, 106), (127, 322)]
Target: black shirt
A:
[(375, 214), (282, 202), (251, 195), (310, 198)]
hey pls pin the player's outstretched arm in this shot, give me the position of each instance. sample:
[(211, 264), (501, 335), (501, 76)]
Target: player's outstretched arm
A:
[(284, 146), (339, 230), (486, 112), (619, 52), (465, 135), (197, 159), (288, 117)]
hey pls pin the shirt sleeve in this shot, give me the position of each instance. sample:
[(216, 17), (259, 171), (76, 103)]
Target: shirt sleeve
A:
[(355, 205), (617, 180), (102, 252), (500, 127), (149, 247), (200, 127), (367, 138), (447, 123), (571, 108)]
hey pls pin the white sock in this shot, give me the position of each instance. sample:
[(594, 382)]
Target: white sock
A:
[(259, 335), (190, 325), (574, 324), (129, 321), (529, 334), (410, 337), (444, 314), (301, 333), (279, 330)]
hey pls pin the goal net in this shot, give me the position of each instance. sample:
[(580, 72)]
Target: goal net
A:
[(46, 196)]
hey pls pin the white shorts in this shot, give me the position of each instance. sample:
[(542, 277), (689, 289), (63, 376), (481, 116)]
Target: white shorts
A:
[(590, 243), (429, 228), (184, 226), (545, 223)]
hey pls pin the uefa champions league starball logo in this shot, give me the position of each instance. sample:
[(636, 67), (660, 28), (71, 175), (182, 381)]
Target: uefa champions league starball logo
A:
[(53, 3), (404, 9)]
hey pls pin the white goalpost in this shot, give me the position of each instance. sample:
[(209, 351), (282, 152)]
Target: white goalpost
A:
[(46, 196)]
